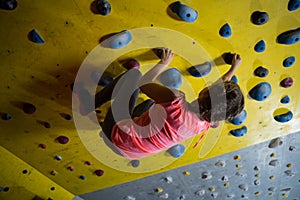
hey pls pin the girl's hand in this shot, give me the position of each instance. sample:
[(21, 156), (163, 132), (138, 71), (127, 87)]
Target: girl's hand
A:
[(167, 56), (236, 60)]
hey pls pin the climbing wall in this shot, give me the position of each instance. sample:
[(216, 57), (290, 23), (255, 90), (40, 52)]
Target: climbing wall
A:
[(47, 47)]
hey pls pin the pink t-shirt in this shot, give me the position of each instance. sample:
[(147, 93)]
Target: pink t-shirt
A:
[(160, 128)]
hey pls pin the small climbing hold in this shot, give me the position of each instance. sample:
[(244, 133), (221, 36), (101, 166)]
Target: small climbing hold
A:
[(260, 46), (261, 91), (285, 100), (211, 189), (182, 197), (186, 173), (200, 70), (256, 182), (47, 125), (256, 168), (240, 118), (206, 176), (225, 30), (200, 192), (286, 189), (289, 37), (239, 132), (226, 185), (171, 78), (257, 193), (135, 163), (272, 177), (235, 79), (289, 61), (177, 150), (118, 40), (103, 7), (129, 198), (272, 189), (284, 195), (289, 173), (257, 175), (259, 18), (289, 165), (287, 82), (71, 168), (168, 179), (131, 64), (103, 79), (230, 196), (240, 174), (286, 117), (164, 196), (28, 108), (8, 4), (275, 142), (43, 146), (88, 162), (237, 157), (273, 155), (82, 177), (220, 163), (53, 172), (292, 148), (68, 117), (224, 178), (99, 172), (57, 157), (159, 190), (214, 195), (35, 37), (243, 187), (6, 117), (184, 12), (261, 72), (274, 162), (293, 5), (239, 166), (62, 139)]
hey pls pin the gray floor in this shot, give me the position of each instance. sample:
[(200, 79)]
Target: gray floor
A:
[(269, 170)]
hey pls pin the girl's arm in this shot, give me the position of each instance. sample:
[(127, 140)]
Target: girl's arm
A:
[(236, 62)]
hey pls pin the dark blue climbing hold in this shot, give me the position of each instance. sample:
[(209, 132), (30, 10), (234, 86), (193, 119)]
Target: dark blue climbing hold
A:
[(105, 80), (118, 40), (293, 5), (284, 117), (225, 31), (240, 118), (35, 37), (235, 79), (260, 46), (8, 4), (261, 91), (289, 61), (6, 116), (82, 177), (259, 18), (176, 151), (103, 7), (171, 78), (135, 163), (57, 157), (261, 72), (68, 117), (239, 132), (289, 37), (200, 70), (184, 12), (285, 100)]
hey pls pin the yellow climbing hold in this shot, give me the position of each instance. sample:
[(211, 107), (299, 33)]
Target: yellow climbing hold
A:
[(239, 166), (159, 190), (187, 173), (270, 194), (272, 177), (289, 165), (257, 175), (212, 189), (237, 157), (257, 193), (273, 155), (226, 185), (284, 195)]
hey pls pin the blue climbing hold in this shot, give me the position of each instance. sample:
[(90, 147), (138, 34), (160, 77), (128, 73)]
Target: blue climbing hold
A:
[(284, 117), (135, 163), (103, 7), (68, 117), (82, 177), (35, 37), (225, 31), (261, 91), (185, 12), (177, 150), (239, 132), (200, 70), (118, 40), (59, 158), (240, 118), (259, 18), (289, 61), (260, 46), (101, 79), (293, 5), (285, 100), (8, 4), (171, 78), (289, 37), (261, 72), (235, 79), (6, 116)]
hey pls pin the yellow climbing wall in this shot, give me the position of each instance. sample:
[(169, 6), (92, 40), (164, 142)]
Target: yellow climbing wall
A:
[(41, 74)]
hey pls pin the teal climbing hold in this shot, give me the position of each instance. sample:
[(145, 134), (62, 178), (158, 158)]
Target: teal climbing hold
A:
[(35, 37), (239, 132), (200, 70), (259, 18), (177, 150), (184, 12), (260, 46), (225, 31), (118, 40), (285, 100), (289, 61), (8, 4), (171, 78), (293, 5), (289, 37), (240, 118), (235, 79), (261, 72), (6, 117), (261, 91), (103, 7), (284, 117)]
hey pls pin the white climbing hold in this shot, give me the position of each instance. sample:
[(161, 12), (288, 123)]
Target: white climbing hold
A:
[(214, 195), (292, 148), (289, 173), (230, 196), (240, 174), (243, 187), (168, 179), (129, 198), (274, 162), (206, 176), (256, 168), (275, 143), (182, 197), (272, 189), (220, 163), (164, 196), (257, 182), (224, 178), (200, 192)]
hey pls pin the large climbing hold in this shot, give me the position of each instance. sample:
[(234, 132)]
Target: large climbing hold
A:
[(260, 46), (176, 151), (118, 40), (240, 118), (259, 18), (289, 61), (261, 72), (289, 37), (171, 78), (35, 37), (29, 108), (284, 117), (200, 70), (239, 132), (185, 12), (8, 4), (261, 91), (287, 82), (225, 30), (293, 5), (103, 7)]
